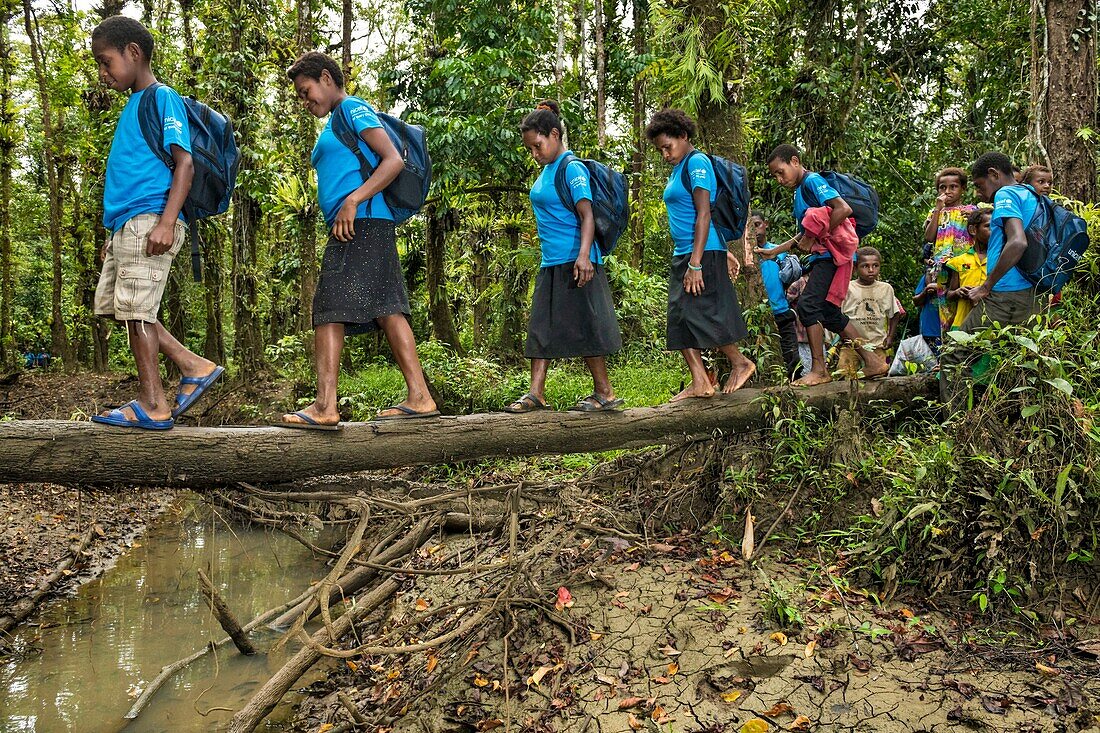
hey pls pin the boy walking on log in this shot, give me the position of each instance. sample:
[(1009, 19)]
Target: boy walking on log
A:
[(142, 201)]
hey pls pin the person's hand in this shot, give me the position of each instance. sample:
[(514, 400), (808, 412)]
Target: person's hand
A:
[(978, 294), (344, 226), (693, 281), (931, 289), (733, 266), (806, 243), (941, 202), (583, 270), (161, 239), (765, 253)]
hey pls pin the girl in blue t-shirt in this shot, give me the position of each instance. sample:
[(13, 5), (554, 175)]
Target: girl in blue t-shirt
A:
[(571, 312), (361, 287), (703, 312)]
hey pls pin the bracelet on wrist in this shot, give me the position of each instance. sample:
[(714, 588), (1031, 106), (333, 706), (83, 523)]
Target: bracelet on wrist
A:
[(695, 268)]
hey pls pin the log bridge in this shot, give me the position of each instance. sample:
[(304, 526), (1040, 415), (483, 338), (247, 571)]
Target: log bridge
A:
[(85, 453)]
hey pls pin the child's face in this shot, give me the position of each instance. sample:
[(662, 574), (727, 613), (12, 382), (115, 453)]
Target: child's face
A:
[(951, 189), (788, 174), (117, 69), (319, 96), (980, 232), (545, 149), (759, 227), (1042, 183), (867, 269), (672, 149)]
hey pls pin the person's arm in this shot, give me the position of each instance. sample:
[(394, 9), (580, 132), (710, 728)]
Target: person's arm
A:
[(769, 253), (952, 286), (164, 233), (388, 168), (891, 330), (693, 279), (583, 269), (920, 298), (1014, 247), (932, 223), (839, 212)]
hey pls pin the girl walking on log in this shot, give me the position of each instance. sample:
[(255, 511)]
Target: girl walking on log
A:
[(361, 288), (571, 313), (703, 312)]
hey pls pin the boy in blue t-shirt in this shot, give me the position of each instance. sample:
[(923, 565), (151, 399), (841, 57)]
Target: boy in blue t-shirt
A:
[(771, 275), (142, 201)]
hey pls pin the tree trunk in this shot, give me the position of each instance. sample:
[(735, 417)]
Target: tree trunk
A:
[(581, 59), (1071, 96), (347, 15), (70, 452), (601, 73), (515, 284), (439, 306), (59, 337), (559, 49), (637, 158), (479, 277), (305, 133), (8, 352)]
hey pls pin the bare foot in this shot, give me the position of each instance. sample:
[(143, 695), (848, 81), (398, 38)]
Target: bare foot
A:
[(874, 366), (690, 392), (812, 379), (738, 377), (321, 418)]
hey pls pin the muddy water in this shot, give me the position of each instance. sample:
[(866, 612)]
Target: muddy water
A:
[(82, 667)]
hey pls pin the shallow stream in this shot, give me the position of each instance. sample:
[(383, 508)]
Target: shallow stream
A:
[(83, 662)]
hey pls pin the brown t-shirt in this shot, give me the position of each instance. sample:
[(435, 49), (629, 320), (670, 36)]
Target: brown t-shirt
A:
[(870, 307)]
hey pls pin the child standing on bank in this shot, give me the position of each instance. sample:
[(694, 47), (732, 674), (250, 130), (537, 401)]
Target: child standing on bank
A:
[(871, 304), (945, 229), (146, 228), (829, 234)]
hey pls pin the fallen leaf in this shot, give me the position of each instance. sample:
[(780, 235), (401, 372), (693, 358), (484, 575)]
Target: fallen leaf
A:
[(810, 648), (631, 702), (565, 599), (421, 604), (801, 723), (780, 708), (748, 544), (876, 507), (815, 681), (779, 637), (670, 651), (325, 728), (480, 681), (1047, 671), (633, 722), (731, 696), (965, 689), (490, 724), (863, 665), (1089, 646), (352, 666), (99, 530), (394, 673), (605, 680), (756, 725), (469, 656), (995, 706), (906, 613), (433, 662), (662, 680), (594, 636), (673, 669), (541, 672), (633, 567)]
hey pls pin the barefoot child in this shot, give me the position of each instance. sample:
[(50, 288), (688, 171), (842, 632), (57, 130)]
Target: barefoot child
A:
[(146, 228), (361, 288), (571, 311), (772, 275), (870, 303), (829, 234), (945, 229), (703, 312)]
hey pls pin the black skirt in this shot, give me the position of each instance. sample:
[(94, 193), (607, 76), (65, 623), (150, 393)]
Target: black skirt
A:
[(709, 320), (361, 280), (568, 321)]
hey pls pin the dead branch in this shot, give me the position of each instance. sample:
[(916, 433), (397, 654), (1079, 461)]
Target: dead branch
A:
[(225, 617)]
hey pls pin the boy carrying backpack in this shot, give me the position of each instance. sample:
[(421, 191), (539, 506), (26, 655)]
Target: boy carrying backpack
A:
[(143, 199)]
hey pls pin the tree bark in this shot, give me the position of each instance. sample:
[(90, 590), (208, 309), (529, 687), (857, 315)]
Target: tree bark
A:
[(637, 158), (305, 132), (439, 307), (8, 352), (59, 337), (64, 452), (225, 617), (347, 15), (1070, 100), (601, 72)]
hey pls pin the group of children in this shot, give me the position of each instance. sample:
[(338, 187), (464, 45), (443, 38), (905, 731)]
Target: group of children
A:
[(361, 287)]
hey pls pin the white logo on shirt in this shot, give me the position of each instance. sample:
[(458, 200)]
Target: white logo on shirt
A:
[(578, 181), (359, 112), (699, 174), (172, 125)]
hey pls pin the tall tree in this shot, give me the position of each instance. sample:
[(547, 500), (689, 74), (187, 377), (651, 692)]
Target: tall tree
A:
[(640, 16), (307, 219), (7, 161)]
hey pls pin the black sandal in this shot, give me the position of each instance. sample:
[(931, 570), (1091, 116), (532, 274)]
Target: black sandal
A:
[(526, 403), (595, 403)]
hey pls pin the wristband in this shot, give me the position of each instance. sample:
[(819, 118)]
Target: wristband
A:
[(693, 268)]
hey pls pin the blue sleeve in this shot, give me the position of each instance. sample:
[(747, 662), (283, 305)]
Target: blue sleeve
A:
[(361, 114), (822, 190), (1006, 206), (701, 173), (176, 130), (920, 286), (580, 188)]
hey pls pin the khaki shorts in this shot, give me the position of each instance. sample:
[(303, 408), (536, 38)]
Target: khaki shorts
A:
[(131, 283)]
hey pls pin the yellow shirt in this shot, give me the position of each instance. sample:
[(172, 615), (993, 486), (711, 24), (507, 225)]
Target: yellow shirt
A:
[(971, 268)]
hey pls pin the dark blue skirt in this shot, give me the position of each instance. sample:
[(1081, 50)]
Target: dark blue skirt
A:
[(708, 320), (568, 321)]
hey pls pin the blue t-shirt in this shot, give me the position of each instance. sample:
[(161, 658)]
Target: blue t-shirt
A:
[(681, 207), (1010, 202), (773, 284), (816, 183), (337, 167), (929, 313), (558, 227), (137, 181)]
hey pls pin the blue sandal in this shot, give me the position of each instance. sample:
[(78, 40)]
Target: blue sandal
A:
[(185, 400), (141, 419)]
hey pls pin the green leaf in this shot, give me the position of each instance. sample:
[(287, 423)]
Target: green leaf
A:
[(1060, 384), (1030, 410), (1060, 485), (962, 337)]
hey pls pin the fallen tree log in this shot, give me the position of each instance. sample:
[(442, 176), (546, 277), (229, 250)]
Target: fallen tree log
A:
[(71, 452)]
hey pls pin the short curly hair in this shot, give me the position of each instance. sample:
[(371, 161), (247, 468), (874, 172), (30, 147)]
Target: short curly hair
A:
[(119, 31), (312, 63), (671, 122)]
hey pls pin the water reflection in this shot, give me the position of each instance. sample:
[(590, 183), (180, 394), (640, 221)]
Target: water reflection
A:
[(94, 652)]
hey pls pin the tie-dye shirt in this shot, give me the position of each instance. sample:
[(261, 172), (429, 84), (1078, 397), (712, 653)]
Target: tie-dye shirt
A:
[(952, 240)]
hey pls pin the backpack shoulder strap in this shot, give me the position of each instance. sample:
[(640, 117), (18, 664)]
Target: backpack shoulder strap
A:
[(561, 183), (685, 174), (809, 196), (345, 133), (151, 123)]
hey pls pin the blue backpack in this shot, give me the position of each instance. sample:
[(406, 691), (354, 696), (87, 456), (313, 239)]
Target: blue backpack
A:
[(214, 153), (610, 200), (407, 193), (1056, 241), (729, 212), (859, 194)]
